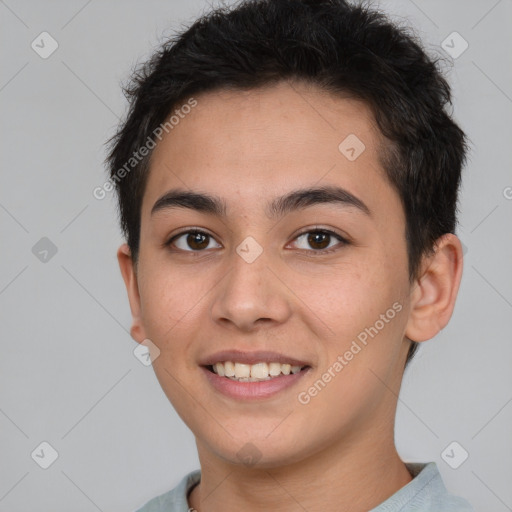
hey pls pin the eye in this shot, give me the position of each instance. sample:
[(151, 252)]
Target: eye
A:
[(320, 240), (192, 241)]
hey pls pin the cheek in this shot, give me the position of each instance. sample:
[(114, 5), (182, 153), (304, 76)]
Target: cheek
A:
[(173, 315), (171, 306), (361, 355), (363, 307), (349, 298)]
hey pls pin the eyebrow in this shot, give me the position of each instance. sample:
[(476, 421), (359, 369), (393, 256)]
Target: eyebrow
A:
[(278, 207)]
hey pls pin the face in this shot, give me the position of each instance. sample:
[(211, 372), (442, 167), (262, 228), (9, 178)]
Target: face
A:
[(321, 281)]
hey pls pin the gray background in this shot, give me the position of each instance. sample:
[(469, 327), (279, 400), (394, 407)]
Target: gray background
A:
[(68, 375)]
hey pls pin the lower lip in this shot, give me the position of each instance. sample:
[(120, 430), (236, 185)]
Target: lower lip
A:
[(253, 390)]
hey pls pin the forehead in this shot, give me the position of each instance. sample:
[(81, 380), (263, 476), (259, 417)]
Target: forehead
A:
[(259, 143)]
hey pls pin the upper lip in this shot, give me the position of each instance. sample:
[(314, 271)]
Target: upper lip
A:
[(259, 356)]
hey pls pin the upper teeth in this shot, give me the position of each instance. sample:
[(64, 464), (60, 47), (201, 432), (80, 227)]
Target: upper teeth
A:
[(258, 371)]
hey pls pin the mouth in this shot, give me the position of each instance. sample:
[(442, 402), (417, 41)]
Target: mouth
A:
[(249, 382)]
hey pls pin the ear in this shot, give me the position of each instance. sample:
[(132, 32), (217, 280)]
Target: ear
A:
[(435, 290), (129, 274)]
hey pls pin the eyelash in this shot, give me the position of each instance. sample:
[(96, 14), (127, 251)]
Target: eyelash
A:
[(329, 232)]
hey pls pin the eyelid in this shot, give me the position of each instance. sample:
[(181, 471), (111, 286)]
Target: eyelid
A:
[(190, 229)]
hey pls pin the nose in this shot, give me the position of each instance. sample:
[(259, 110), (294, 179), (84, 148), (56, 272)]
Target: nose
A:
[(251, 296)]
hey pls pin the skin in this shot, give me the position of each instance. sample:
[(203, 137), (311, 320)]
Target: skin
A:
[(337, 452)]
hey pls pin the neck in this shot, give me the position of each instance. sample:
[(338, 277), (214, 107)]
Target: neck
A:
[(347, 477)]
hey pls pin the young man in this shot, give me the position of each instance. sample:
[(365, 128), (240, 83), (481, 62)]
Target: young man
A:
[(287, 179)]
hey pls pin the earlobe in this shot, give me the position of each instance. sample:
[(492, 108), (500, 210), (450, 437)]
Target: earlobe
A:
[(129, 274), (435, 290)]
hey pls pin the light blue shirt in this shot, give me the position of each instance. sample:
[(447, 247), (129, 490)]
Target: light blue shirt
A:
[(424, 493)]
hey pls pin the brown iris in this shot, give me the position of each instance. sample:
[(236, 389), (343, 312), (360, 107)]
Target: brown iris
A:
[(197, 240), (316, 238)]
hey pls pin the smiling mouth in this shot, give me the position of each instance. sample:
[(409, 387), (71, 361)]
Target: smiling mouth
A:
[(258, 372)]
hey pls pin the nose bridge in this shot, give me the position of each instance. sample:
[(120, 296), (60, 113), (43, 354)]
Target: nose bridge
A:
[(250, 291)]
